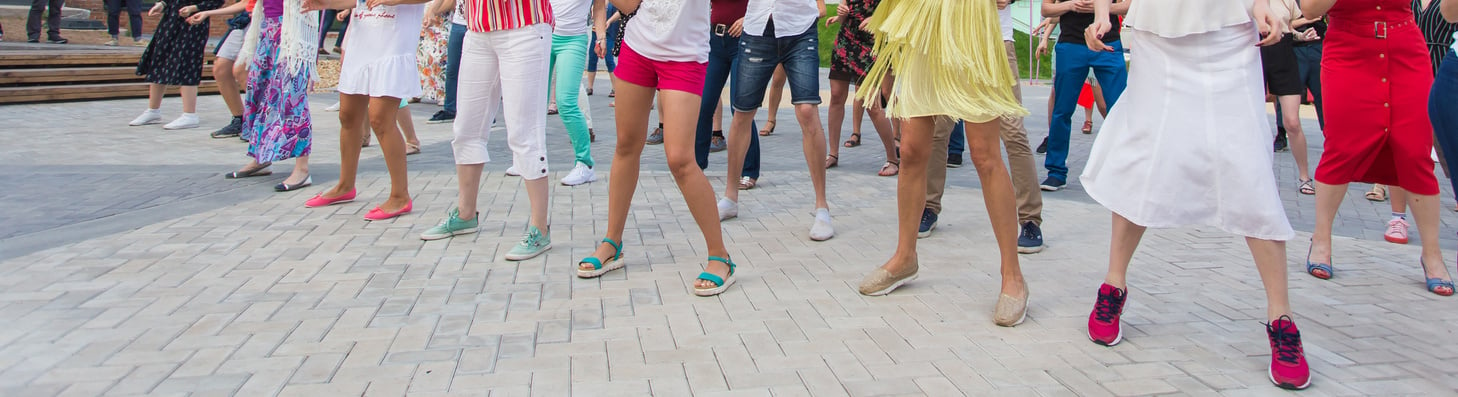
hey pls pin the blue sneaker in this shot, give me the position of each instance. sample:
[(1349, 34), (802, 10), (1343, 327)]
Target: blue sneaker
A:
[(1030, 240), (928, 223), (533, 243), (1052, 184)]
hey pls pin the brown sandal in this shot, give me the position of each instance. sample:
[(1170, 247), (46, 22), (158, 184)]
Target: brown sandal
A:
[(832, 161), (855, 140), (411, 148), (769, 128), (1378, 194), (747, 183)]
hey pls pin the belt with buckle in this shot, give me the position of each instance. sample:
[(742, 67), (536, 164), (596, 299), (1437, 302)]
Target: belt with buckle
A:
[(721, 29), (1378, 29)]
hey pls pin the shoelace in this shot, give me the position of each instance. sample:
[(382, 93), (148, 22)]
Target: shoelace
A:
[(1028, 233), (1397, 226), (1287, 341), (926, 216), (1107, 307)]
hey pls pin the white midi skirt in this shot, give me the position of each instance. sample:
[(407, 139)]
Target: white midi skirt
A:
[(1189, 142)]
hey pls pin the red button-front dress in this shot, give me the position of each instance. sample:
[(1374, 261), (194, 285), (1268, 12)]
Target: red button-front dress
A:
[(1376, 77)]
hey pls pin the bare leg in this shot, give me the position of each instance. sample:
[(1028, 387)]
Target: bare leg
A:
[(775, 95), (719, 117), (301, 171), (1291, 118), (678, 146), (1328, 201), (916, 139), (407, 126), (154, 95), (882, 124), (1425, 213), (1270, 259), (984, 144), (1098, 93), (382, 111), (1123, 241), (1397, 198), (838, 92), (353, 117), (189, 98), (813, 140), (738, 137), (228, 85)]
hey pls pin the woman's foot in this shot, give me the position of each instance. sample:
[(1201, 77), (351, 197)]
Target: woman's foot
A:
[(1396, 231), (1318, 261), (769, 128), (832, 161), (716, 268), (412, 148), (1306, 187), (1088, 126), (394, 205), (607, 255), (1377, 194), (889, 276), (251, 170), (297, 180), (1436, 275), (1012, 304), (855, 140), (891, 168)]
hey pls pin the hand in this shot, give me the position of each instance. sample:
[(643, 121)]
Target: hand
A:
[(1094, 36), (186, 11), (341, 16), (156, 9), (866, 24), (737, 28), (198, 18), (1084, 6), (842, 9), (1002, 4), (601, 49), (1309, 35), (1042, 48), (1265, 23), (832, 20), (377, 3), (434, 19), (310, 5)]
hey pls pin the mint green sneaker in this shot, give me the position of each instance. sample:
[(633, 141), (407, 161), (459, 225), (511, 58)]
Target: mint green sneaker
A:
[(532, 244), (452, 226)]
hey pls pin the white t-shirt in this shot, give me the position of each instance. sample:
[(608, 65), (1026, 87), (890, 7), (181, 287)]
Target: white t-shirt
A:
[(572, 17), (1005, 15), (792, 17), (670, 30), (459, 17), (1185, 17)]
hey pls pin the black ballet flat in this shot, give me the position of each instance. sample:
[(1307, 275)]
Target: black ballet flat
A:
[(262, 170), (285, 187)]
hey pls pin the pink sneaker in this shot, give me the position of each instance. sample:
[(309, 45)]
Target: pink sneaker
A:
[(1288, 359), (1396, 231), (1103, 323), (320, 201), (378, 214)]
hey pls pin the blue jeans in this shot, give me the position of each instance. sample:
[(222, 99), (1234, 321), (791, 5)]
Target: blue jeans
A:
[(453, 65), (722, 52), (1443, 109), (327, 23), (1073, 64), (760, 55), (612, 64)]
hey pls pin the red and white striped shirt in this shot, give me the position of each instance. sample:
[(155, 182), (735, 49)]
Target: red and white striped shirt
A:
[(494, 15)]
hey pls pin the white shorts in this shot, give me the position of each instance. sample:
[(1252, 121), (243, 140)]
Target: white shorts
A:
[(232, 45)]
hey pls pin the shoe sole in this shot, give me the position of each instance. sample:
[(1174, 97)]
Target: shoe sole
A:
[(611, 265), (329, 204), (1047, 188), (158, 121), (439, 121), (893, 286), (1030, 250), (716, 290), (564, 183), (950, 165), (826, 238), (433, 237), (731, 216), (1020, 320), (186, 127), (1287, 386), (927, 233), (517, 258), (1117, 338), (1394, 240)]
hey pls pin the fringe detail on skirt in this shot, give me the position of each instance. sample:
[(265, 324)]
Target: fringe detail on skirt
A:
[(948, 59)]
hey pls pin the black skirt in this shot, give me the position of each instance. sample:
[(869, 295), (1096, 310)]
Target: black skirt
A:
[(175, 55)]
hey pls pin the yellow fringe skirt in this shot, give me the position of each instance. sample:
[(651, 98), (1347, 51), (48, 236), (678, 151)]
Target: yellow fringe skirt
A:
[(948, 59)]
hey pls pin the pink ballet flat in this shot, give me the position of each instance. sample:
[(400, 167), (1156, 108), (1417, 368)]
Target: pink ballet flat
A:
[(378, 214), (320, 201)]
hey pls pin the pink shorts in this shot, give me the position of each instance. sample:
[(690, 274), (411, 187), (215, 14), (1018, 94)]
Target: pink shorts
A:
[(678, 76)]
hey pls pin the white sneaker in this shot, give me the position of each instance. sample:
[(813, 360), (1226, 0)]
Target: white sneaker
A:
[(151, 116), (728, 209), (332, 108), (580, 174), (512, 171), (822, 230), (185, 121), (112, 42)]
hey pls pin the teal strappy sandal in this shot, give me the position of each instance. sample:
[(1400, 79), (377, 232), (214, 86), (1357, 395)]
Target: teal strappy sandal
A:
[(720, 284), (1436, 285), (1322, 271), (598, 267)]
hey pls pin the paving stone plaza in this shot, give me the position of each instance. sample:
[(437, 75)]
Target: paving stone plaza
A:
[(129, 266)]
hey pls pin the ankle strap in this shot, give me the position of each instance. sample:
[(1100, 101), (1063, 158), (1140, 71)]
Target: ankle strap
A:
[(616, 246)]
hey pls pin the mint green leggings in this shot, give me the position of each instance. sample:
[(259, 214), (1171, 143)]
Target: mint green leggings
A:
[(569, 59)]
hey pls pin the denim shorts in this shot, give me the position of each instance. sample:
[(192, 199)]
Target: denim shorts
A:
[(758, 57)]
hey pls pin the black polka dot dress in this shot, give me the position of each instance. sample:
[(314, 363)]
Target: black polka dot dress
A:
[(175, 55)]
